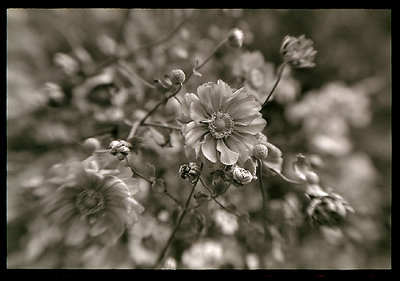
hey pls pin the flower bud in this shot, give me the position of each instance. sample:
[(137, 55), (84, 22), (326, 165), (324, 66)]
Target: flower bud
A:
[(235, 38), (177, 76), (190, 171), (299, 52), (241, 175), (91, 144), (120, 148), (260, 151)]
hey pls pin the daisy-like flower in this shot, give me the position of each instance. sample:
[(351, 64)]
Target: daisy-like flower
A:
[(90, 202), (220, 125)]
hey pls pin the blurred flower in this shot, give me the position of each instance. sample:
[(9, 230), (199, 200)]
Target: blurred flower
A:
[(90, 202), (68, 64), (235, 38), (220, 125), (203, 254), (298, 51), (328, 209), (252, 261), (170, 263), (91, 144), (190, 171), (54, 93), (146, 239), (259, 78), (225, 221)]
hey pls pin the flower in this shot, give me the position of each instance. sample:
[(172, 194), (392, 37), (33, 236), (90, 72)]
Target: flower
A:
[(299, 52), (225, 221), (203, 254), (220, 125), (90, 202)]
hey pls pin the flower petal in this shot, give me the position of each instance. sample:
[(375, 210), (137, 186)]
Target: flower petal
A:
[(198, 112), (194, 132), (256, 126), (205, 93), (77, 231), (209, 149), (238, 145), (228, 157)]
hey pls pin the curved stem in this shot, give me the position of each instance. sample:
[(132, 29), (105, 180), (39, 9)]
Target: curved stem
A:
[(162, 126), (282, 67), (185, 209)]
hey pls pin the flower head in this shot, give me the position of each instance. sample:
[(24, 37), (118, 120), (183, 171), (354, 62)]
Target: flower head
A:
[(298, 51), (90, 202), (221, 125), (235, 38)]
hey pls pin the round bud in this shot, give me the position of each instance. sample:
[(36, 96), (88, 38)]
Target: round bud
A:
[(177, 76), (260, 151), (124, 150), (235, 38), (91, 144)]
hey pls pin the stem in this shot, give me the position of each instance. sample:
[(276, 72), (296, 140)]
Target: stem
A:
[(162, 126), (120, 32), (131, 72), (171, 237), (282, 67), (264, 198), (207, 59)]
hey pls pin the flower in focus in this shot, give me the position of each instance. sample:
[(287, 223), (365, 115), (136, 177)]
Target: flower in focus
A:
[(220, 125), (91, 202), (298, 51)]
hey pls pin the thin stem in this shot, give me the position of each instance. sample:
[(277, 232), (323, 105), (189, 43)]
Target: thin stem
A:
[(207, 59), (129, 71), (264, 198), (173, 198), (172, 236), (162, 126), (282, 67)]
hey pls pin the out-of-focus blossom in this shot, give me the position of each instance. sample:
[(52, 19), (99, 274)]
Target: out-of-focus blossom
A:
[(90, 203), (54, 93), (298, 51), (203, 254), (259, 77), (252, 261), (146, 239), (220, 125), (170, 263), (91, 144), (67, 63), (225, 221)]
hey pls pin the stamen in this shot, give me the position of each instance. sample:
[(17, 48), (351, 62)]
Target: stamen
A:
[(221, 125)]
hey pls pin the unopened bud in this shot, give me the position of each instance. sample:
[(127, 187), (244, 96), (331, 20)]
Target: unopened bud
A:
[(299, 52), (260, 151), (91, 144), (312, 177), (235, 38), (177, 76), (241, 175), (190, 171)]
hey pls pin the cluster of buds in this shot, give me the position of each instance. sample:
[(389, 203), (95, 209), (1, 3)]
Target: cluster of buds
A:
[(329, 209), (190, 172), (120, 148), (298, 51), (326, 207), (240, 176)]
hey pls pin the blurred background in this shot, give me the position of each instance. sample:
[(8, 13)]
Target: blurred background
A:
[(338, 112)]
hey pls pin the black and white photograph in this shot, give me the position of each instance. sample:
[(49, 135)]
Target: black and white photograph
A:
[(199, 139)]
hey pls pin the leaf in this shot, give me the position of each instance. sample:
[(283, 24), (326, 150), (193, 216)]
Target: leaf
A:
[(218, 183), (274, 159), (136, 143), (158, 185), (201, 197)]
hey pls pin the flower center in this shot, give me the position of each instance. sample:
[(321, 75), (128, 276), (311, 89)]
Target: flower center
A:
[(90, 203), (221, 125)]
